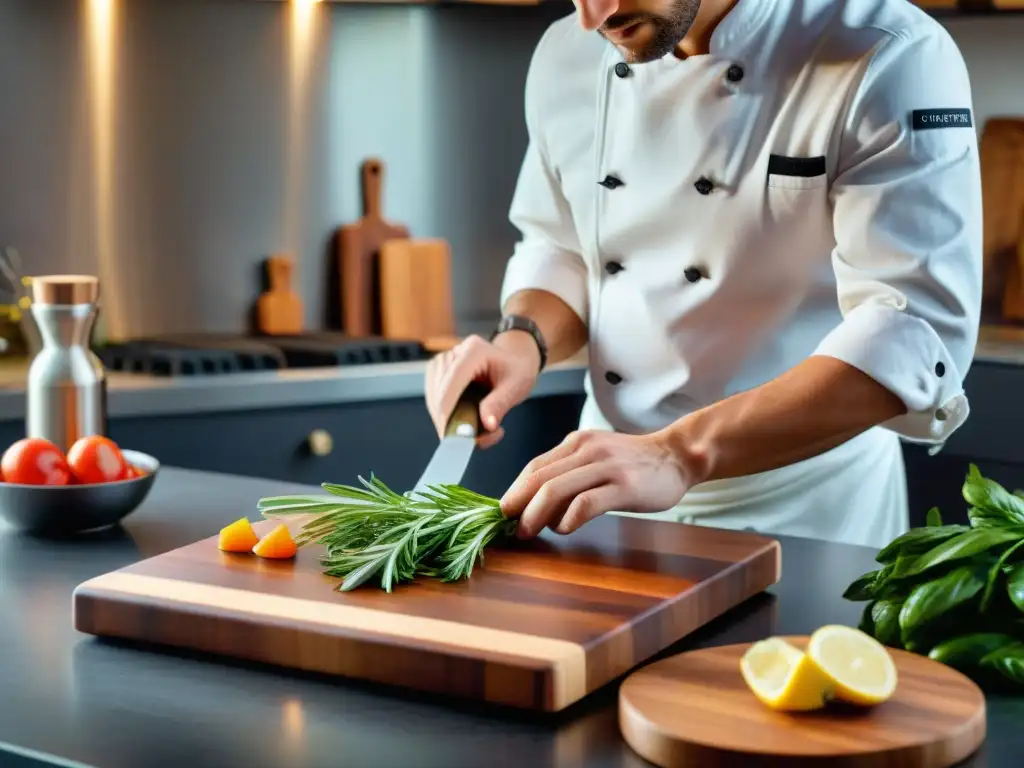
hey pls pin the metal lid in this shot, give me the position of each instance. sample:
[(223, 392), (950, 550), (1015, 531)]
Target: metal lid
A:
[(65, 289)]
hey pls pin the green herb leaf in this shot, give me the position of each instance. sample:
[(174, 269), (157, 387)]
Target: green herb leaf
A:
[(885, 618), (965, 546), (934, 518), (1015, 585), (932, 600), (967, 651), (1007, 661), (994, 574), (865, 587), (992, 505), (371, 533), (867, 622), (917, 541)]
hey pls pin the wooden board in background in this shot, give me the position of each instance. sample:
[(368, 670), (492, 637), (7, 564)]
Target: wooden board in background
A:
[(279, 310), (540, 626), (416, 292), (694, 709), (358, 247)]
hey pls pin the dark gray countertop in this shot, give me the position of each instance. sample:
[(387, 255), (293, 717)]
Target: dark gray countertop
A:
[(70, 699)]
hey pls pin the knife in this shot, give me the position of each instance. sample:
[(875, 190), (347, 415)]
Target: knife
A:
[(452, 456)]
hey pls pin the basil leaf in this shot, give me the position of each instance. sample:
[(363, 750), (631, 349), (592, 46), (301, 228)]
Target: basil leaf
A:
[(1015, 585), (930, 601), (993, 576), (967, 651), (985, 518), (966, 545), (867, 623), (934, 518), (1008, 661), (917, 541), (863, 588), (885, 617), (994, 504)]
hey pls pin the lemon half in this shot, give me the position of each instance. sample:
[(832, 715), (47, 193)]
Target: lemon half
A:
[(860, 668), (785, 678)]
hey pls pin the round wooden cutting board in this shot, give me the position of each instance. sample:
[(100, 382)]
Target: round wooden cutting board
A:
[(695, 710)]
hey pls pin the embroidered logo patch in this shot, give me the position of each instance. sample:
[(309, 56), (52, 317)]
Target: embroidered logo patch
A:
[(926, 119)]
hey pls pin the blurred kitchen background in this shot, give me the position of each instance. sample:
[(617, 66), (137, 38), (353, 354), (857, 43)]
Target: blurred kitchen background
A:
[(171, 146)]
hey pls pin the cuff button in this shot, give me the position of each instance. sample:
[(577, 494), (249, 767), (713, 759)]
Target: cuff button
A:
[(940, 370), (941, 415)]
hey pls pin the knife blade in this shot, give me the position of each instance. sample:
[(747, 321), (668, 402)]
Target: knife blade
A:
[(451, 458)]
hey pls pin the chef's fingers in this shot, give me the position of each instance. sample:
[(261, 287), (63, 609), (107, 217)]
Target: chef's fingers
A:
[(533, 477), (508, 391), (590, 504), (468, 363), (553, 499), (437, 370), (489, 439)]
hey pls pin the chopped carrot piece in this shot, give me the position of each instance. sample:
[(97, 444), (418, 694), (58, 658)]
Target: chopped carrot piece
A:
[(238, 537), (277, 545)]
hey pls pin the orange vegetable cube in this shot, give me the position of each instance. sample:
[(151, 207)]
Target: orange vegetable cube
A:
[(277, 545), (238, 537)]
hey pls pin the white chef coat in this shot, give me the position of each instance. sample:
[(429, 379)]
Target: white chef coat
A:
[(809, 187)]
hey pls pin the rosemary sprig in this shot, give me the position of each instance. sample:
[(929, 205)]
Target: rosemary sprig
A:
[(373, 533)]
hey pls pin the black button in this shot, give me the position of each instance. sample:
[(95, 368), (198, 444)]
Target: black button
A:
[(940, 370), (692, 274), (613, 267), (703, 185), (611, 182), (734, 74), (613, 378), (622, 69)]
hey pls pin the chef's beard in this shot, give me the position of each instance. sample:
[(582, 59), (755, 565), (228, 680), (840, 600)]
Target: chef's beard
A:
[(668, 29)]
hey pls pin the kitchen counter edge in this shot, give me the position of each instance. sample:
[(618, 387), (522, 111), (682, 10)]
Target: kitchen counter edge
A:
[(140, 395)]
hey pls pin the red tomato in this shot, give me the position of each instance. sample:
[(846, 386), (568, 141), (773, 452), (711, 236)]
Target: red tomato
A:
[(34, 461), (97, 459)]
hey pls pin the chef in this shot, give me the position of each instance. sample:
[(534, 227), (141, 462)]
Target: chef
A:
[(763, 218)]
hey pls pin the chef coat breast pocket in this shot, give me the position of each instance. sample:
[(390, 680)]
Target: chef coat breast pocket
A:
[(796, 172)]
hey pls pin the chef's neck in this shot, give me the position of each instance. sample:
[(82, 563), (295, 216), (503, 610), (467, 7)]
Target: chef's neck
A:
[(698, 39)]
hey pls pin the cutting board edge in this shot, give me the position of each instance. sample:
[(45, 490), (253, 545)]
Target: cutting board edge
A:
[(535, 684), (681, 618)]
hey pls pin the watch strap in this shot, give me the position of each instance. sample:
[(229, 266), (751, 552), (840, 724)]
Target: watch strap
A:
[(521, 323)]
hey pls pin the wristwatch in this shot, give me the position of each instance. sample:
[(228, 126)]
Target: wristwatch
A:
[(520, 323)]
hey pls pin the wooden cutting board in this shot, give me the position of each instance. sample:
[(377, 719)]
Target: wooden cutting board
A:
[(695, 709), (279, 310), (540, 626), (416, 292), (1002, 179), (358, 246)]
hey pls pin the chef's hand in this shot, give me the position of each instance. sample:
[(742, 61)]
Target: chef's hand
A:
[(591, 473), (509, 366)]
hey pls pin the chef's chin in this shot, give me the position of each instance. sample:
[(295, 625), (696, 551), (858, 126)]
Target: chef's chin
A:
[(654, 39)]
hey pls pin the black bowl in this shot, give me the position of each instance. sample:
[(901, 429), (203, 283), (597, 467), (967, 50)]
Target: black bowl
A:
[(65, 509)]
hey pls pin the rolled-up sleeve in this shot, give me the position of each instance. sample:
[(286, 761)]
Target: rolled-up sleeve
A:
[(548, 255), (907, 221)]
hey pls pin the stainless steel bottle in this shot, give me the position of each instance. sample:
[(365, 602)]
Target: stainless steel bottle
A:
[(66, 391)]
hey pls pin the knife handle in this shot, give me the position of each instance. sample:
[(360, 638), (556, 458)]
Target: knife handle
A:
[(465, 418)]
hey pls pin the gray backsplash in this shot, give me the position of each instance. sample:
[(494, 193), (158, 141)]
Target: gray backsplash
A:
[(210, 179)]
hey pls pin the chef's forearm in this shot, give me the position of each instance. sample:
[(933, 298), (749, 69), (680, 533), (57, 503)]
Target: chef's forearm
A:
[(563, 331), (816, 406)]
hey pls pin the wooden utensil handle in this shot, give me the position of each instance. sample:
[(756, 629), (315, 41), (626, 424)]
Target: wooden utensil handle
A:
[(466, 414), (373, 187)]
